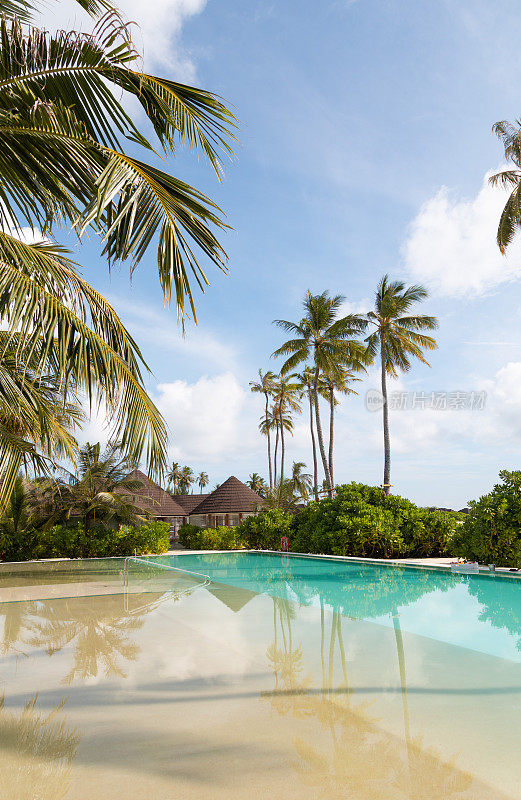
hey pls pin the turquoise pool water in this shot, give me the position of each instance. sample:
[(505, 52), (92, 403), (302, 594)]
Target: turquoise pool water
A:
[(482, 612), (301, 678)]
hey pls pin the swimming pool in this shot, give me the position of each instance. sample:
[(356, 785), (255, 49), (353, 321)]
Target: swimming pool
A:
[(282, 677)]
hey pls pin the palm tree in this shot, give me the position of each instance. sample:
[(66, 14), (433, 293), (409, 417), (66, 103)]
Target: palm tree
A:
[(101, 488), (301, 481), (306, 378), (203, 480), (510, 220), (338, 379), (329, 340), (286, 395), (257, 484), (173, 475), (283, 422), (265, 386), (63, 126), (186, 479), (398, 337)]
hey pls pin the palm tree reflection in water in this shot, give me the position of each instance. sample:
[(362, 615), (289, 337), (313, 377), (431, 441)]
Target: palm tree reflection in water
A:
[(97, 627), (36, 753), (361, 760)]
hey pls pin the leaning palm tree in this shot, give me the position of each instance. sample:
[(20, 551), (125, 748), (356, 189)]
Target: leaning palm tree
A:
[(265, 386), (63, 128), (203, 480), (326, 338), (397, 337)]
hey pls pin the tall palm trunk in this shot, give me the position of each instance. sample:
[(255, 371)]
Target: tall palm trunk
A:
[(269, 444), (315, 465), (331, 423), (276, 448), (282, 448), (320, 436), (385, 409)]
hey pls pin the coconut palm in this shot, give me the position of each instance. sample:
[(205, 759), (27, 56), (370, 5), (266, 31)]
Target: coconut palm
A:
[(173, 475), (397, 337), (283, 422), (510, 220), (257, 484), (286, 397), (101, 489), (186, 479), (63, 126), (326, 338), (338, 379), (300, 480), (306, 379), (265, 386), (203, 480)]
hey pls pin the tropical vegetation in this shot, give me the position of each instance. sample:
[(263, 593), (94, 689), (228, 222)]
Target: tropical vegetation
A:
[(396, 338), (334, 351), (63, 131), (491, 532), (359, 520)]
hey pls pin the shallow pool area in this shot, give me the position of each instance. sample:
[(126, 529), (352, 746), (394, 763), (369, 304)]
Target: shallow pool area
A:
[(280, 676)]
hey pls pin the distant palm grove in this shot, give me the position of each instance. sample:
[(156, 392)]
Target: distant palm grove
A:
[(332, 352)]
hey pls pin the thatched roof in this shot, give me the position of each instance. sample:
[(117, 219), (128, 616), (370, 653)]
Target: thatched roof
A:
[(231, 497), (152, 498), (189, 501)]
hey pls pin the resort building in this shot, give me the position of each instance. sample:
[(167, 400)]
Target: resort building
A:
[(229, 504), (189, 503), (157, 502)]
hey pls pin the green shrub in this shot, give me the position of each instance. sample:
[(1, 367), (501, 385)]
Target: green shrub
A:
[(264, 531), (362, 521), (220, 538), (71, 541), (186, 534), (491, 532), (359, 521)]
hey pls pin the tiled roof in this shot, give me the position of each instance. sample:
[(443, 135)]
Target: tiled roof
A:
[(232, 496), (151, 497), (189, 501)]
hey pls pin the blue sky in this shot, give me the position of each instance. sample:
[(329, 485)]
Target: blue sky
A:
[(365, 142)]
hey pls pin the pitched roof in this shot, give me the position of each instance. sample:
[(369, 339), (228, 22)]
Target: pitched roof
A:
[(189, 501), (232, 496), (151, 497)]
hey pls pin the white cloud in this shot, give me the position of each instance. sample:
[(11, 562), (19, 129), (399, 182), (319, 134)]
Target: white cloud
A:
[(159, 36), (355, 307), (160, 330), (212, 419), (452, 244)]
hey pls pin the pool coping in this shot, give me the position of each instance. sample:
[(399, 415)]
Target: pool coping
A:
[(503, 572), (408, 563)]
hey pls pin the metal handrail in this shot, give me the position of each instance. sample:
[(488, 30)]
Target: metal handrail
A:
[(170, 593), (207, 578)]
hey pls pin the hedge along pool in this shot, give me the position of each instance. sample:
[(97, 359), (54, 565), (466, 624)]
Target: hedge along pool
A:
[(283, 676)]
